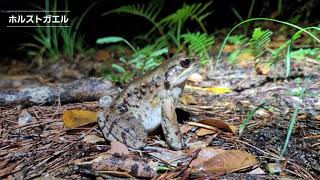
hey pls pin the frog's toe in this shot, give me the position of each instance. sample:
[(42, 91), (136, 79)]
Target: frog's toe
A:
[(134, 137), (138, 145), (176, 145)]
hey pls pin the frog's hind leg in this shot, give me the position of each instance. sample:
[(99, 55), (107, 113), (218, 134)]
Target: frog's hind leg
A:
[(122, 128)]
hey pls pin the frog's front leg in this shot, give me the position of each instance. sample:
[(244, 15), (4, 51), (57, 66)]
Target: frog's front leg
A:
[(170, 124), (122, 127)]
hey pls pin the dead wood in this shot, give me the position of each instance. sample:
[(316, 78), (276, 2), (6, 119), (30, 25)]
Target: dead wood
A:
[(78, 91)]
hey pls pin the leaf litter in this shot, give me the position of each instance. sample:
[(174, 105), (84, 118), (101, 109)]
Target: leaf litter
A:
[(47, 145)]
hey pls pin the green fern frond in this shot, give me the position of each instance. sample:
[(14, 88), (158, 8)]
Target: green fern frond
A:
[(300, 54), (149, 49), (149, 57), (149, 12), (259, 41), (199, 43), (193, 12), (181, 15), (238, 39)]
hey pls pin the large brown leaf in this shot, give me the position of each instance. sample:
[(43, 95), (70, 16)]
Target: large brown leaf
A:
[(220, 124), (77, 118), (226, 162)]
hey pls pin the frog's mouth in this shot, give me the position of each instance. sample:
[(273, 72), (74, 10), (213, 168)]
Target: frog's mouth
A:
[(185, 74)]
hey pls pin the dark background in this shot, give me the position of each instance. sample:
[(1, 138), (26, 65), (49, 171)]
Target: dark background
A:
[(95, 25)]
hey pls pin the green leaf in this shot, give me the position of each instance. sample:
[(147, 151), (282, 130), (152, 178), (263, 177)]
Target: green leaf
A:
[(114, 39), (238, 39), (110, 39), (277, 51), (194, 12), (149, 12), (294, 118), (118, 68), (287, 61), (233, 56), (199, 43), (251, 114), (301, 53), (259, 41), (264, 19), (159, 52)]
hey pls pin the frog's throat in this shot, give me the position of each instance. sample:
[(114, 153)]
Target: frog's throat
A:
[(184, 75)]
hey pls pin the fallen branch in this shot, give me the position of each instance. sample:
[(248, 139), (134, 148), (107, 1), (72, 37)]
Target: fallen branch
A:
[(78, 91)]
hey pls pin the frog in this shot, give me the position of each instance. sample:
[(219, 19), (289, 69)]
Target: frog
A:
[(147, 104)]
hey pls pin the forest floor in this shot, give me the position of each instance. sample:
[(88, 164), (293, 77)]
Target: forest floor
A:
[(209, 118)]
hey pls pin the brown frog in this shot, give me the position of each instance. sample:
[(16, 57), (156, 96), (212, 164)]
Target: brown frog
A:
[(148, 103)]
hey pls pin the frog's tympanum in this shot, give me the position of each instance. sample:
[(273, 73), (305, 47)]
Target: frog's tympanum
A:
[(148, 103)]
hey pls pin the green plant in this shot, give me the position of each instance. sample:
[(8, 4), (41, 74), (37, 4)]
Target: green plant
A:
[(173, 35), (172, 27), (149, 12), (238, 39), (300, 92), (255, 46), (293, 118), (60, 40), (251, 114), (249, 11), (71, 41), (287, 44), (199, 44), (300, 54), (176, 21), (140, 61), (259, 41), (279, 7)]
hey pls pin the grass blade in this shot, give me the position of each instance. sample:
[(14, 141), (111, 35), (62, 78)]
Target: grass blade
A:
[(251, 114), (287, 60)]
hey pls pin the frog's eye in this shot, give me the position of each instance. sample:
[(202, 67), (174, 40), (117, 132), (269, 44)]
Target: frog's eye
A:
[(185, 63)]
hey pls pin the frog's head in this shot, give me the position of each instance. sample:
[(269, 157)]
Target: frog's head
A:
[(179, 69)]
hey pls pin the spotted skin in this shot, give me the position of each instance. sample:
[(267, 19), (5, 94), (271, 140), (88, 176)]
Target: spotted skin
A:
[(147, 104)]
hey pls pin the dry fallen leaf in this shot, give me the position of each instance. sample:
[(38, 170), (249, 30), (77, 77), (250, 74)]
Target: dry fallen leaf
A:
[(276, 168), (230, 48), (185, 128), (92, 139), (115, 174), (196, 144), (102, 55), (257, 171), (263, 68), (187, 99), (133, 164), (219, 124), (205, 154), (77, 118), (201, 125), (118, 148), (204, 131), (262, 113), (215, 90), (47, 178), (245, 59), (226, 162), (167, 155)]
